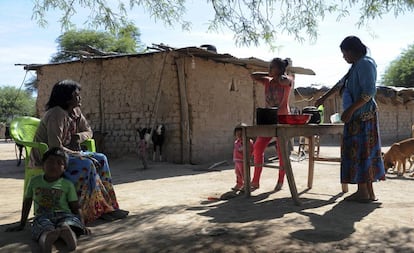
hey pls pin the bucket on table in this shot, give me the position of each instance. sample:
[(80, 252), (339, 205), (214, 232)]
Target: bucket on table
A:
[(266, 116), (316, 115), (335, 118)]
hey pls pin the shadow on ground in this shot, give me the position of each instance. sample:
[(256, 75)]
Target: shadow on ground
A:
[(150, 231)]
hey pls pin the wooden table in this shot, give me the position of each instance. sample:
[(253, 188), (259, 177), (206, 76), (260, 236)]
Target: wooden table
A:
[(284, 133)]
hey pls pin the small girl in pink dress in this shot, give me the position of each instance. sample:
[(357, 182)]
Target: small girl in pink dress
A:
[(238, 157)]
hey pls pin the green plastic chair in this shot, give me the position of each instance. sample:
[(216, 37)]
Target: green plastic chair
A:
[(23, 130)]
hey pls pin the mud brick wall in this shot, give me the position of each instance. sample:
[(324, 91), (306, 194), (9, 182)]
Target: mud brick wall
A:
[(120, 94), (199, 100)]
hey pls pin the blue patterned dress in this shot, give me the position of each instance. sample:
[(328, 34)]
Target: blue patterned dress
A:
[(361, 146)]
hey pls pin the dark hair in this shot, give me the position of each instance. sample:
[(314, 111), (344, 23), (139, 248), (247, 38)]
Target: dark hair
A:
[(355, 45), (280, 64), (62, 93), (56, 151)]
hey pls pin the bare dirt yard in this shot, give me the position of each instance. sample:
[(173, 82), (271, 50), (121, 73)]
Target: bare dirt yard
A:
[(170, 211)]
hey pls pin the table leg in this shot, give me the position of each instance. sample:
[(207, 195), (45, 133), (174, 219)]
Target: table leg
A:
[(246, 163), (311, 166), (344, 186), (288, 168)]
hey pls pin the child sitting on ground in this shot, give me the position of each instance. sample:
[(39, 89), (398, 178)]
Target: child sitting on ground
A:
[(238, 157), (56, 208)]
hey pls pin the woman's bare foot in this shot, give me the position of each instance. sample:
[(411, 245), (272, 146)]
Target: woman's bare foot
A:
[(47, 239), (69, 237), (371, 193), (373, 197), (358, 197)]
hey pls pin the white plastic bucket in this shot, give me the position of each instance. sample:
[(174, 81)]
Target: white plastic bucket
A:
[(335, 118)]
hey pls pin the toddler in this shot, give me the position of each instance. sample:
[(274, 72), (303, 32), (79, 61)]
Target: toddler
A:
[(238, 157)]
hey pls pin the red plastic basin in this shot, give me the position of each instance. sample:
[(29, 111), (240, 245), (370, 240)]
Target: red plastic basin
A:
[(294, 119)]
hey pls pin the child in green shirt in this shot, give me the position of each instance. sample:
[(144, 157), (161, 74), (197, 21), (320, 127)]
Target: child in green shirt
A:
[(56, 205)]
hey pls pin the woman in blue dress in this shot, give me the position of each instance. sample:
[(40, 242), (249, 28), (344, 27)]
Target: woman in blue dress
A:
[(63, 125), (361, 161)]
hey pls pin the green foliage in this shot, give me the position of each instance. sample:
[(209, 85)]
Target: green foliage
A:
[(128, 40), (14, 102), (400, 72), (251, 21), (73, 43), (31, 85)]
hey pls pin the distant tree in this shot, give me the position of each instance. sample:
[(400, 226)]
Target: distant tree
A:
[(31, 85), (250, 20), (14, 102), (400, 72), (74, 43), (128, 40)]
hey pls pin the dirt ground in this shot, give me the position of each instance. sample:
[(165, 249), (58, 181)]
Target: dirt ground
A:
[(170, 211)]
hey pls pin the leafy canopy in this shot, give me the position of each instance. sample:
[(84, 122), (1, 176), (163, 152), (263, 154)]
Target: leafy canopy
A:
[(15, 102), (400, 72), (73, 43), (250, 21)]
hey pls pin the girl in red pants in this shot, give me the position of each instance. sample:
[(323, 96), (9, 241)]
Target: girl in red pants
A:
[(238, 157), (277, 89)]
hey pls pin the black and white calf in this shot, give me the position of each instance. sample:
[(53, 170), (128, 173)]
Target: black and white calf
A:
[(147, 136), (158, 137)]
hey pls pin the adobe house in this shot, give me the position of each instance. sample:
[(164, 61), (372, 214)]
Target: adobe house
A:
[(198, 94)]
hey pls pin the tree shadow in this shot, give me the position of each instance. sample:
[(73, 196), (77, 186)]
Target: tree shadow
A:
[(257, 208), (174, 229), (343, 215), (9, 169), (131, 166), (148, 231)]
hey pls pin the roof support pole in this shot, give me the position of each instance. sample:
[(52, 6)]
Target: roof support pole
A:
[(184, 112)]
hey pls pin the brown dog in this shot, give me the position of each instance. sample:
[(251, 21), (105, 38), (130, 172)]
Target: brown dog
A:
[(398, 154)]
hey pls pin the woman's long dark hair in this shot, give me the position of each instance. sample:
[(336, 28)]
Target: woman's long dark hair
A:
[(355, 45), (62, 93)]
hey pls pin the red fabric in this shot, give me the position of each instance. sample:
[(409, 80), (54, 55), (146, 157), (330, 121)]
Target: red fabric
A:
[(238, 160), (277, 95), (259, 148)]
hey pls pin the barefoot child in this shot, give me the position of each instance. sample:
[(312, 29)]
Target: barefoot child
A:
[(55, 205), (238, 157)]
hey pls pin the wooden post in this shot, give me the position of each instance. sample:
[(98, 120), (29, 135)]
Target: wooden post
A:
[(184, 113)]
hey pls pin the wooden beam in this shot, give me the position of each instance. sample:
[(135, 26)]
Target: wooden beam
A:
[(184, 112)]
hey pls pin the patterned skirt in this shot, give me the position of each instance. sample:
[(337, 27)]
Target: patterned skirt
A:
[(361, 151), (91, 176)]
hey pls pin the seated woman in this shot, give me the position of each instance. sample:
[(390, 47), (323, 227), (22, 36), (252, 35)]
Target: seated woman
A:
[(64, 125)]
